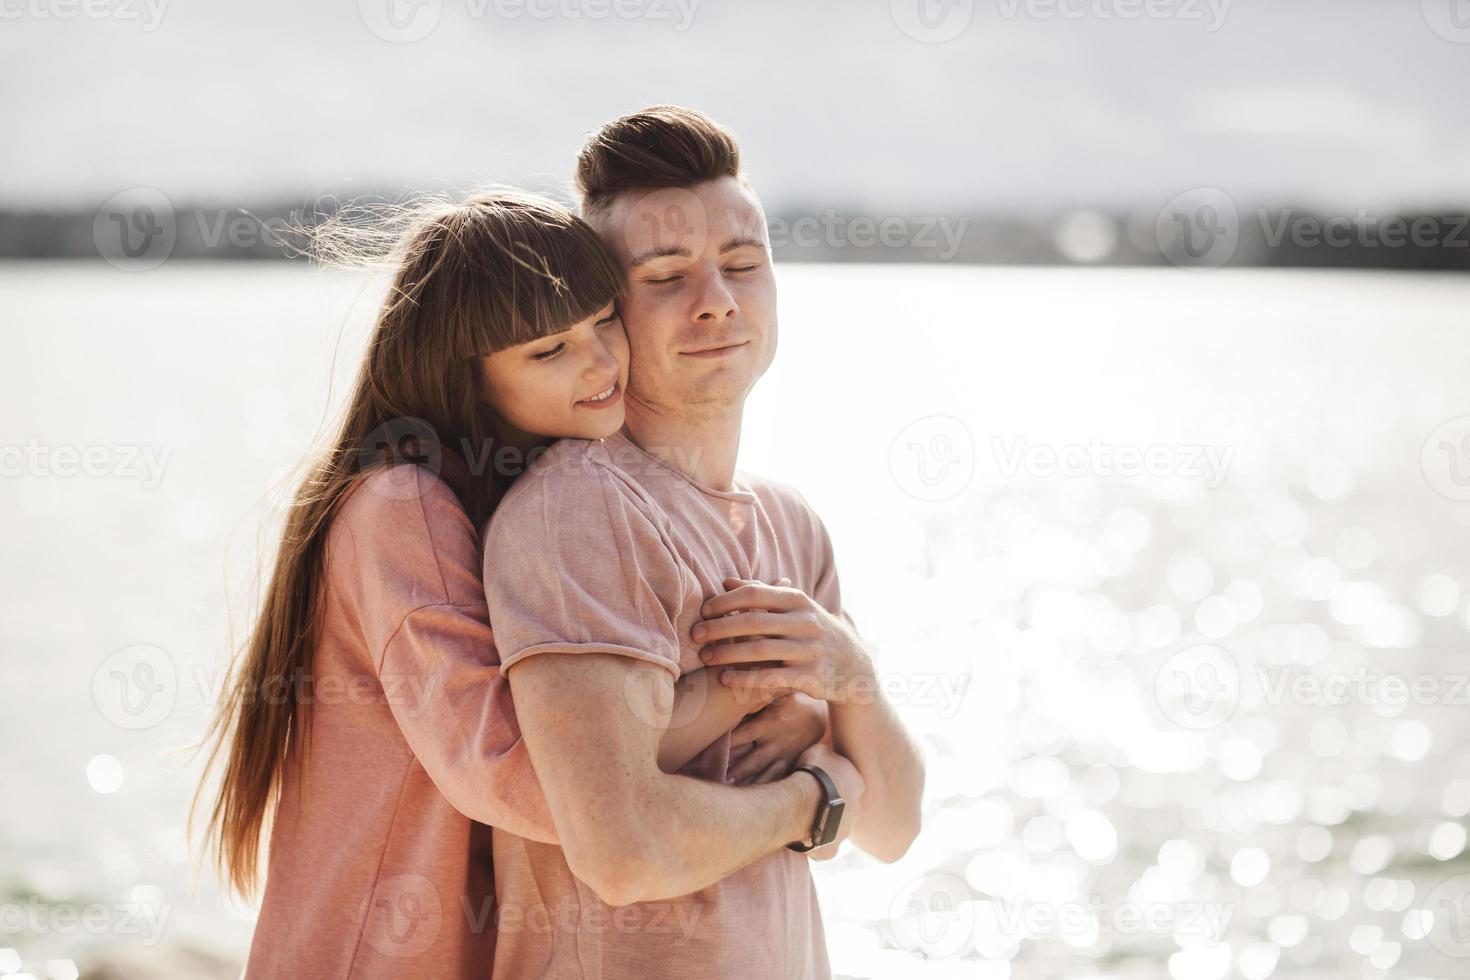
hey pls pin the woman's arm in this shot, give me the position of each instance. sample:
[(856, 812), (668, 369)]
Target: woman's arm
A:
[(704, 710)]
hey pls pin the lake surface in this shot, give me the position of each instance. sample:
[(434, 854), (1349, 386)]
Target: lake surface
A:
[(1168, 570)]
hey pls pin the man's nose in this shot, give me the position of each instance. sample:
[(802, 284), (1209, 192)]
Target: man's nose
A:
[(716, 302)]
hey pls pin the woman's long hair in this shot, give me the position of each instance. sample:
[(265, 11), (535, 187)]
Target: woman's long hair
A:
[(472, 278)]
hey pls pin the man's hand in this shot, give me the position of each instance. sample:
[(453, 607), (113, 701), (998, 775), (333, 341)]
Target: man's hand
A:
[(818, 653), (850, 787), (776, 735)]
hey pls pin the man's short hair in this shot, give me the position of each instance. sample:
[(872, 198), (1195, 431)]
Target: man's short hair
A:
[(661, 146)]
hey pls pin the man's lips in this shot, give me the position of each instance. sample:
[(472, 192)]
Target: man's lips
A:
[(716, 351)]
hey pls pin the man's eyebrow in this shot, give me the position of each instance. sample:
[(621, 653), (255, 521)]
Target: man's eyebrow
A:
[(658, 253), (735, 243)]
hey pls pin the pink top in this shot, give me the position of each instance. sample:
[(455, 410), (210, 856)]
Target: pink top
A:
[(379, 859), (603, 548)]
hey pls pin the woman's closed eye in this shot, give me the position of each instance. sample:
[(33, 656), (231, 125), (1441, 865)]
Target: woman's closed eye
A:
[(547, 355)]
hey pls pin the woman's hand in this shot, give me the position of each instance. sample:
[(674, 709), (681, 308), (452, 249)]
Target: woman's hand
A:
[(774, 737), (801, 646)]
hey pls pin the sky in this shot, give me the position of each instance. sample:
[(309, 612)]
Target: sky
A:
[(919, 105)]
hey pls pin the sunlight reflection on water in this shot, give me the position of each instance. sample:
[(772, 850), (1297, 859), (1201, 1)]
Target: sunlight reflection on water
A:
[(1167, 570)]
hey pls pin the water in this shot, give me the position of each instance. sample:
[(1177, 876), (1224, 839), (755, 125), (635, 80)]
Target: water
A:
[(1146, 556)]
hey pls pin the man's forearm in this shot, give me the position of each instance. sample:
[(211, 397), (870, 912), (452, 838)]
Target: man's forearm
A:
[(591, 723), (713, 830), (868, 731)]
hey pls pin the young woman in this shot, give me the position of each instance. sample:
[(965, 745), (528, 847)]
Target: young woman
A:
[(367, 722)]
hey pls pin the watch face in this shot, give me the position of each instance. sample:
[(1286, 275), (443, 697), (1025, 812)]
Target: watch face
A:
[(831, 822)]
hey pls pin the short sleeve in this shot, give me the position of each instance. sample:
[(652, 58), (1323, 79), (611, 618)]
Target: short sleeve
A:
[(574, 563), (405, 560)]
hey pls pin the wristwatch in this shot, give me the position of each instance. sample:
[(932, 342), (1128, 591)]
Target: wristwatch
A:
[(829, 814)]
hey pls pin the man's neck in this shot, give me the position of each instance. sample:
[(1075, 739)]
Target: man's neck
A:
[(703, 449)]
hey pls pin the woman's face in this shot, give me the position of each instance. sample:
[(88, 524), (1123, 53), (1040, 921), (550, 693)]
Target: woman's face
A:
[(566, 385)]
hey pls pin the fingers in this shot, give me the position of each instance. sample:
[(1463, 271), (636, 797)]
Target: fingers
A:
[(756, 761), (776, 770), (753, 652), (758, 623), (749, 730), (765, 680), (744, 594)]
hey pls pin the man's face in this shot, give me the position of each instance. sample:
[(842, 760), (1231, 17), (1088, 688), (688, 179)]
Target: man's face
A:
[(700, 306)]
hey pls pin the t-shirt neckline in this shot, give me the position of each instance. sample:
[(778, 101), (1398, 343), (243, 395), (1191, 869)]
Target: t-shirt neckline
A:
[(740, 494)]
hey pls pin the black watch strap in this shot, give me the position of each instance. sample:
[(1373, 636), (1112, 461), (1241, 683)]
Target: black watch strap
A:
[(829, 812)]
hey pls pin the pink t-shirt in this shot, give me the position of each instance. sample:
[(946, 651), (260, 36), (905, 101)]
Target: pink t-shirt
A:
[(603, 548), (380, 855)]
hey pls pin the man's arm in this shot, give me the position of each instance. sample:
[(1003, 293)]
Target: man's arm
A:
[(592, 724), (867, 731), (822, 656)]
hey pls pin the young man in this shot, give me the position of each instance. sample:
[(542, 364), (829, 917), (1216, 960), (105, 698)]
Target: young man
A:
[(615, 567)]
